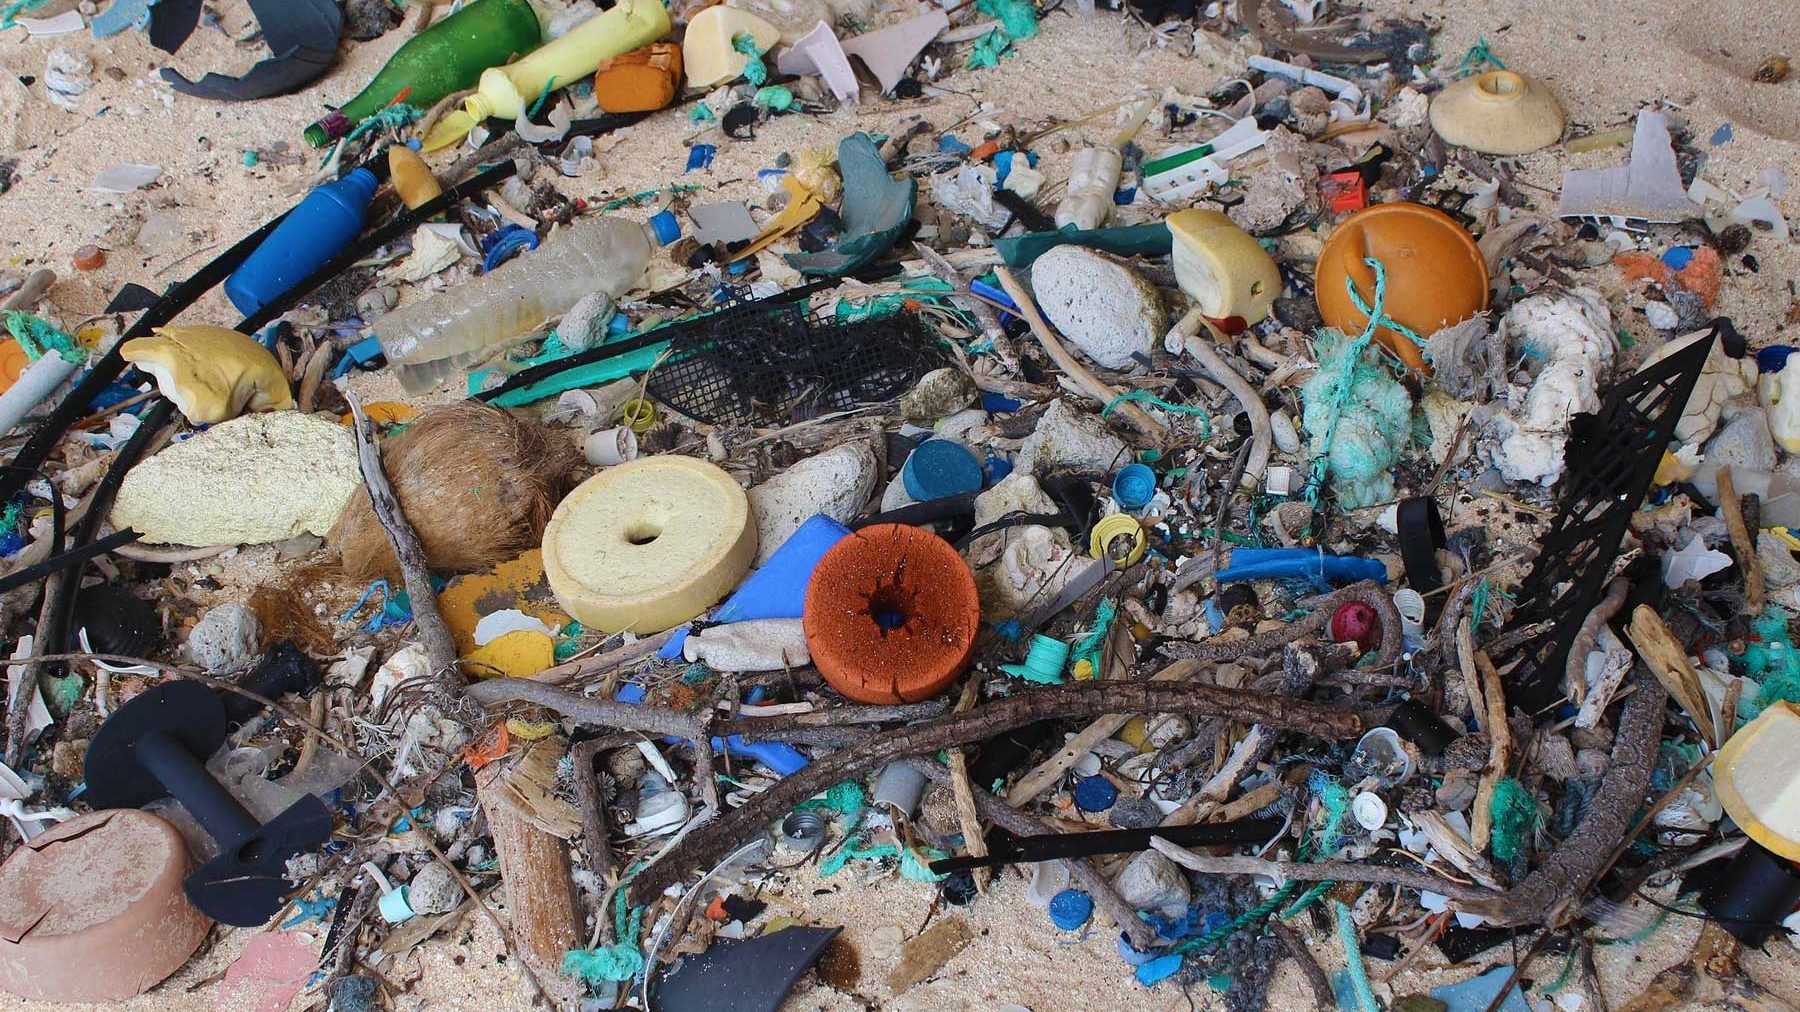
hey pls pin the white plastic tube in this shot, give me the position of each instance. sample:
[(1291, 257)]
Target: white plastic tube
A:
[(39, 380)]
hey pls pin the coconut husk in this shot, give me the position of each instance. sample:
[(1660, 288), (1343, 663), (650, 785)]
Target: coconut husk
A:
[(477, 483)]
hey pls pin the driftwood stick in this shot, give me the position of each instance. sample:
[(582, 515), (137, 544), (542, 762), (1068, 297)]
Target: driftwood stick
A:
[(440, 646), (1309, 965), (1319, 871), (1087, 699), (1086, 875), (598, 712), (534, 864), (1552, 893), (1743, 543), (1668, 660), (1575, 672), (1481, 825)]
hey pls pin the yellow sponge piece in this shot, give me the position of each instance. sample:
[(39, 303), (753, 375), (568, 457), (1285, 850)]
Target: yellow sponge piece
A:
[(649, 544)]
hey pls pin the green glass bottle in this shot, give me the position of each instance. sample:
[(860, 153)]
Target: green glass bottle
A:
[(445, 58)]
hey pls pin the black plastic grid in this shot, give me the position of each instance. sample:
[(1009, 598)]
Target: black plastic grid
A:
[(756, 363), (1610, 465)]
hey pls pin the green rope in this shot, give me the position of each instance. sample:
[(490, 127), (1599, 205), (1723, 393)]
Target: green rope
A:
[(1562, 979), (1479, 55), (16, 8), (1353, 959), (1088, 647), (393, 117), (616, 962), (1146, 397), (543, 96)]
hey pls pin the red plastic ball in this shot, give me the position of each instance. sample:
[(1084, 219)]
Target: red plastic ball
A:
[(1356, 622)]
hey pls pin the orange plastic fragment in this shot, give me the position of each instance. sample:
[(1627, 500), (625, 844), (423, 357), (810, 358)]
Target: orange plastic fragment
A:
[(492, 744)]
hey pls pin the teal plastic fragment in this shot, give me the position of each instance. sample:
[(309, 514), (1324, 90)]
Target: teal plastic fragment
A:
[(877, 208), (1128, 240)]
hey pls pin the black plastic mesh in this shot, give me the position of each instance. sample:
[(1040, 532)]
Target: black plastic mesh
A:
[(1610, 464), (756, 363)]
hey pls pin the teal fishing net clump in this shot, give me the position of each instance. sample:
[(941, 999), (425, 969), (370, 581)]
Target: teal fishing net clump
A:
[(1362, 418), (1515, 815), (39, 337), (1018, 17), (1770, 660)]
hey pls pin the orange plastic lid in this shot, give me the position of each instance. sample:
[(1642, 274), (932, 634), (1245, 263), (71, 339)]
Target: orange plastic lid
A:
[(1436, 276), (13, 361), (891, 614)]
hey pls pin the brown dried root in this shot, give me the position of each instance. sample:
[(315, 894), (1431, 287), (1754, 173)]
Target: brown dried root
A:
[(477, 483)]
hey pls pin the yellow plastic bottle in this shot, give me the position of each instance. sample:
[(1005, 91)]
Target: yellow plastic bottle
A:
[(508, 91)]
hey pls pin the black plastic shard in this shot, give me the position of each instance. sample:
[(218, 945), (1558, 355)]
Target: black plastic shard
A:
[(1611, 459)]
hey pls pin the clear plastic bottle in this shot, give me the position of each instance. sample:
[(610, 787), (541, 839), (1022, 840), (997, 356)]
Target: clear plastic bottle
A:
[(430, 341)]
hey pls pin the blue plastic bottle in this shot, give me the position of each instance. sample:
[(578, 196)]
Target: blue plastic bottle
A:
[(329, 219)]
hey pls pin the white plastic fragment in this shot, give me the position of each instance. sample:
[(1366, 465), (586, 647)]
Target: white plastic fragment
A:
[(1647, 187), (768, 644), (126, 177), (496, 624), (1692, 561)]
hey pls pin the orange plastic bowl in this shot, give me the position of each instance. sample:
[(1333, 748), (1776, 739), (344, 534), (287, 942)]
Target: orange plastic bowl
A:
[(891, 615), (1436, 276)]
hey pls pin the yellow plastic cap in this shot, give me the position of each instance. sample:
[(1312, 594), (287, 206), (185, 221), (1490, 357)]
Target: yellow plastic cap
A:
[(1757, 776)]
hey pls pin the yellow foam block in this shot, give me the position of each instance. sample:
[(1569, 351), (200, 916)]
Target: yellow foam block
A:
[(1757, 777), (1222, 267), (649, 544), (517, 654)]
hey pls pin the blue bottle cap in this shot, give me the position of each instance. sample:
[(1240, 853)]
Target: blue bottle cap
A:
[(1134, 486), (1070, 909), (939, 468), (1095, 794), (665, 226), (1677, 257)]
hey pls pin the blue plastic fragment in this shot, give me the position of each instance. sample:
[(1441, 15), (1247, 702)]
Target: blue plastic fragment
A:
[(1131, 956), (1095, 794), (1773, 358), (1477, 993), (778, 589), (121, 15), (506, 242), (1276, 563), (949, 145), (1159, 969), (1002, 167), (361, 353), (1070, 909), (665, 226), (997, 468), (1134, 486), (999, 403), (1678, 257), (1722, 135), (700, 156)]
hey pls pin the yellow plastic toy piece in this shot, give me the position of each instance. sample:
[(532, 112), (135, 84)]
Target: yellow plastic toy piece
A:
[(210, 373)]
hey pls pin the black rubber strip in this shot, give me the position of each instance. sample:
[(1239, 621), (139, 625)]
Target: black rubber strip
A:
[(1421, 529)]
